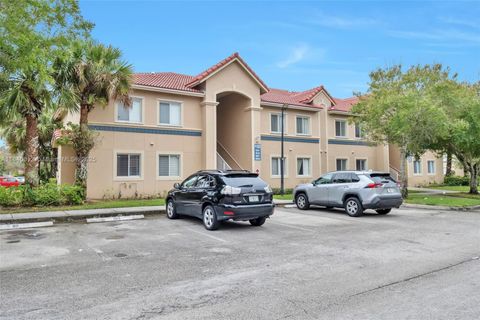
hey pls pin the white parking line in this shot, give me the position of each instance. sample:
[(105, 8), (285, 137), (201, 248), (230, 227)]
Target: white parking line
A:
[(118, 218), (206, 233)]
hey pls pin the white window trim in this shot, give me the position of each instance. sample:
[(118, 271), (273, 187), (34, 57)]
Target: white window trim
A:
[(335, 129), (180, 170), (130, 178), (309, 169), (434, 168), (285, 130), (366, 163), (340, 158), (309, 125), (285, 168), (413, 168), (115, 116), (166, 124)]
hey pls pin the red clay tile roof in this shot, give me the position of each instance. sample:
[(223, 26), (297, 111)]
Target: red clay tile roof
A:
[(222, 63), (344, 105), (166, 80), (286, 97)]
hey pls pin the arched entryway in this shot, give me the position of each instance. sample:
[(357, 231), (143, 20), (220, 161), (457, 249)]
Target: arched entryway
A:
[(234, 131)]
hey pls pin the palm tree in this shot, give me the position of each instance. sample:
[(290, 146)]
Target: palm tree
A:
[(26, 96), (93, 74), (15, 138)]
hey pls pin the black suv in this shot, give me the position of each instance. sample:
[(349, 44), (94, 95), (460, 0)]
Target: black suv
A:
[(216, 196)]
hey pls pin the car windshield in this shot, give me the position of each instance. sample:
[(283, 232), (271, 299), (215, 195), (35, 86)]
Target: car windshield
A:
[(243, 181)]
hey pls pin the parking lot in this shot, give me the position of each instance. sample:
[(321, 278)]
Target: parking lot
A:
[(317, 264)]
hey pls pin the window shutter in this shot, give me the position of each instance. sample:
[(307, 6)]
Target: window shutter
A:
[(134, 165), (164, 113), (163, 166), (174, 166), (122, 165)]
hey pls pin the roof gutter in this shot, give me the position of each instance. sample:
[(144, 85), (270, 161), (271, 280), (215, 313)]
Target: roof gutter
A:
[(290, 106), (164, 90)]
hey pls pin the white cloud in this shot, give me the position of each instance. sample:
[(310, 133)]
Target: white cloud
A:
[(438, 35), (297, 54), (460, 22), (341, 22)]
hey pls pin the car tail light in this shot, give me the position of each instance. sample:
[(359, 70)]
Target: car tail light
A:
[(373, 185), (229, 190), (228, 213)]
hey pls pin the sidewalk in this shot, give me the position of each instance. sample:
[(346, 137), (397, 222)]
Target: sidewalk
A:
[(428, 190), (76, 214)]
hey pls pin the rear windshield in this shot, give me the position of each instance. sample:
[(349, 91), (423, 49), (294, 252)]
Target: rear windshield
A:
[(381, 178), (244, 181)]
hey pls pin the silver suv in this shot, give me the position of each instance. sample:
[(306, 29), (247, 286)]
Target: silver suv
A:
[(353, 190)]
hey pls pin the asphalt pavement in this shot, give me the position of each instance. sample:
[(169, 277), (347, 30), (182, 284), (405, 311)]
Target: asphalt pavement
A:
[(318, 264)]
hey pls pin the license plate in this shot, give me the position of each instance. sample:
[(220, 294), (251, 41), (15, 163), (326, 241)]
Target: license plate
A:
[(390, 190), (253, 199)]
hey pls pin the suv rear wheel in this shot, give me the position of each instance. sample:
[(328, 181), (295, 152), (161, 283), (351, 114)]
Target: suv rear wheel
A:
[(383, 211), (301, 200), (210, 218), (258, 221), (353, 207)]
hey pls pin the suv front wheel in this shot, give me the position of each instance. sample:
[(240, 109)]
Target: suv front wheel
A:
[(353, 207), (301, 201), (171, 210)]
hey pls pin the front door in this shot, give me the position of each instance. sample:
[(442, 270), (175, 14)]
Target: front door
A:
[(319, 193), (183, 199)]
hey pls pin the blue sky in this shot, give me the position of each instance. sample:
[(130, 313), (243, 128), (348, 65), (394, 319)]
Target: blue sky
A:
[(293, 45)]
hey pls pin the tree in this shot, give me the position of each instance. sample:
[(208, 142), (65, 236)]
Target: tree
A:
[(32, 34), (424, 108), (396, 110), (15, 138), (95, 74)]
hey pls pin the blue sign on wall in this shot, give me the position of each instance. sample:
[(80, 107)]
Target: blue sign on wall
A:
[(257, 152)]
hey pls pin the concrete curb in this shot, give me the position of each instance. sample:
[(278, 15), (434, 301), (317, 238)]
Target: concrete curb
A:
[(429, 207), (78, 214)]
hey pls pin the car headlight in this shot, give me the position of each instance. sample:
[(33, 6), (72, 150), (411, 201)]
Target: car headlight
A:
[(268, 189)]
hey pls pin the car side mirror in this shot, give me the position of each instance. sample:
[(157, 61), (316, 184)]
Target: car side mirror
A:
[(176, 185)]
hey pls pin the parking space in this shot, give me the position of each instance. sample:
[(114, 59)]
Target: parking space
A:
[(317, 264)]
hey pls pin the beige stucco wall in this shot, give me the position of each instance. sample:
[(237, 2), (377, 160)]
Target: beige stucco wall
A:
[(66, 165), (424, 178)]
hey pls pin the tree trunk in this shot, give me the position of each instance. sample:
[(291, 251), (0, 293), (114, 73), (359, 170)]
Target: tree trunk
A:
[(474, 171), (403, 172), (82, 155), (31, 151), (448, 171)]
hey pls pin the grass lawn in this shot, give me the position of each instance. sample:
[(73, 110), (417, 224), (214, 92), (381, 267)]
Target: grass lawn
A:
[(452, 200), (91, 205), (287, 196), (451, 188)]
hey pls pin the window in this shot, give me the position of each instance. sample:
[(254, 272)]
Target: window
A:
[(342, 177), (417, 167), (189, 182), (341, 164), (431, 166), (276, 123), (170, 113), (361, 164), (131, 113), (128, 165), (325, 179), (276, 166), (303, 125), (340, 128), (205, 182), (359, 131), (303, 167), (169, 165)]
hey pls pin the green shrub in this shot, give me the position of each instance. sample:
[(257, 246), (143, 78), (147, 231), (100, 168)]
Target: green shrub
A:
[(456, 181), (48, 194), (277, 190), (10, 197)]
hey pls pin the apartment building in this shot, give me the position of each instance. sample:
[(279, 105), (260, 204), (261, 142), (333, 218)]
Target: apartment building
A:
[(225, 117)]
